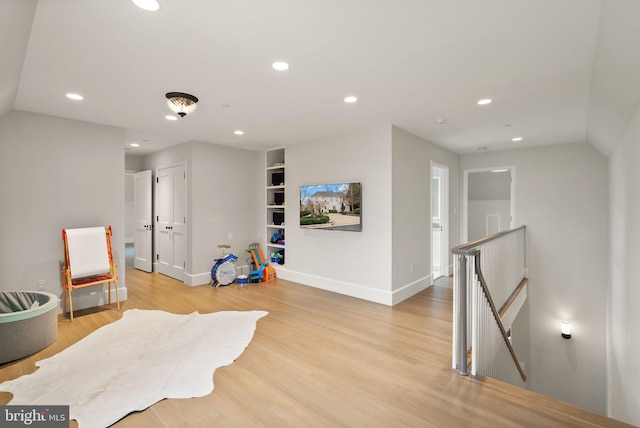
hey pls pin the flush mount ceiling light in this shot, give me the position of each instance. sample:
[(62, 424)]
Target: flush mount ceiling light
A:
[(485, 101), (238, 132), (280, 66), (516, 139), (150, 5), (75, 97), (169, 117), (134, 145), (350, 99), (180, 103)]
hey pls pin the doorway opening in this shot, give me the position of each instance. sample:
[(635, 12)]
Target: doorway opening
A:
[(488, 202), (439, 220), (138, 220)]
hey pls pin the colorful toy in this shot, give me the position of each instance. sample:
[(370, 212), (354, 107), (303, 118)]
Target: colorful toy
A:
[(263, 271), (224, 268)]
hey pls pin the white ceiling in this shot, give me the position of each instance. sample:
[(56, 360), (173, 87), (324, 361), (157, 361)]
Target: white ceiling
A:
[(409, 62)]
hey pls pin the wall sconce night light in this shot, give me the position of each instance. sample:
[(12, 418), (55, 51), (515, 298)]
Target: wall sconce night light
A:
[(566, 329)]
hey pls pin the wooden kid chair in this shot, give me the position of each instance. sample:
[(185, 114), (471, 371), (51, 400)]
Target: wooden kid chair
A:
[(88, 262)]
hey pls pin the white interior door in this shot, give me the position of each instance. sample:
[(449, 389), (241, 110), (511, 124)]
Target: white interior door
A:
[(171, 219), (439, 220), (143, 248)]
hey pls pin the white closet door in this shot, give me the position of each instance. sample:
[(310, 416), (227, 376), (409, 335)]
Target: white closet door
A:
[(143, 258), (171, 218)]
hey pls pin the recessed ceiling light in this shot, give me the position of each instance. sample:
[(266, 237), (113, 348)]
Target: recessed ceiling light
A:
[(350, 99), (169, 117), (238, 132), (484, 101), (280, 66), (150, 5), (440, 121), (134, 145), (75, 97), (516, 139)]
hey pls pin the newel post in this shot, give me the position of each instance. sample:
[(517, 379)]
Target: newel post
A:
[(462, 312)]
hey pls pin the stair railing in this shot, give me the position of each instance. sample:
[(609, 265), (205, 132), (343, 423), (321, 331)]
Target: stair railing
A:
[(487, 273)]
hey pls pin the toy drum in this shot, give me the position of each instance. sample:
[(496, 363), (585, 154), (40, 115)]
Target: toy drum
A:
[(224, 271), (242, 280)]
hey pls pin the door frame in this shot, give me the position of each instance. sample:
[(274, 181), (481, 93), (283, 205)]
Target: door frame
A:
[(444, 217), (464, 227)]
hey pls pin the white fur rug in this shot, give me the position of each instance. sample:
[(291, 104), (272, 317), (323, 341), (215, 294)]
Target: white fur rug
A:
[(132, 363)]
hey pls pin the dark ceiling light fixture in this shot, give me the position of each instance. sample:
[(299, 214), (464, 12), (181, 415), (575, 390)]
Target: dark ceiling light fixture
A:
[(180, 103)]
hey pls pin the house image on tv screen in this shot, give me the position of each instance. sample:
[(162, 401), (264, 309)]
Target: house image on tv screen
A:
[(331, 207)]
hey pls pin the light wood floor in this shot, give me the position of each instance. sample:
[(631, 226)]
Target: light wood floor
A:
[(321, 359)]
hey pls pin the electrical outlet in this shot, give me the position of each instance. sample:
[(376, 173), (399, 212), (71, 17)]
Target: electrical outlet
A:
[(42, 285)]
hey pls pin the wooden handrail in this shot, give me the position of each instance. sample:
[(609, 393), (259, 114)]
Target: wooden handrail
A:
[(496, 315), (469, 249), (503, 310)]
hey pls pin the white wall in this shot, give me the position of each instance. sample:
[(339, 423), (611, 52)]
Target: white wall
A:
[(225, 201), (478, 212), (411, 216), (353, 263), (562, 196), (133, 163), (129, 214), (56, 173), (624, 295)]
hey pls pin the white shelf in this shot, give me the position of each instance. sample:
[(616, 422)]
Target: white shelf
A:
[(274, 173)]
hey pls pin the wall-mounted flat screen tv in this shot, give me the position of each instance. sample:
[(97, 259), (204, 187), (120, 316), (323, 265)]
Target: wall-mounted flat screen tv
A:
[(331, 207)]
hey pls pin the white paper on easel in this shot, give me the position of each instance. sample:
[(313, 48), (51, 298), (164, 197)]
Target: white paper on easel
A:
[(88, 252)]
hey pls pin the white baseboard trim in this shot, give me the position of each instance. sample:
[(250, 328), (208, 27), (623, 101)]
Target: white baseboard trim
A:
[(411, 289), (340, 287), (356, 290), (91, 297), (197, 279), (243, 270)]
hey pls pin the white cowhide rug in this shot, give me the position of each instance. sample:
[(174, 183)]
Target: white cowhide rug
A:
[(132, 363)]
